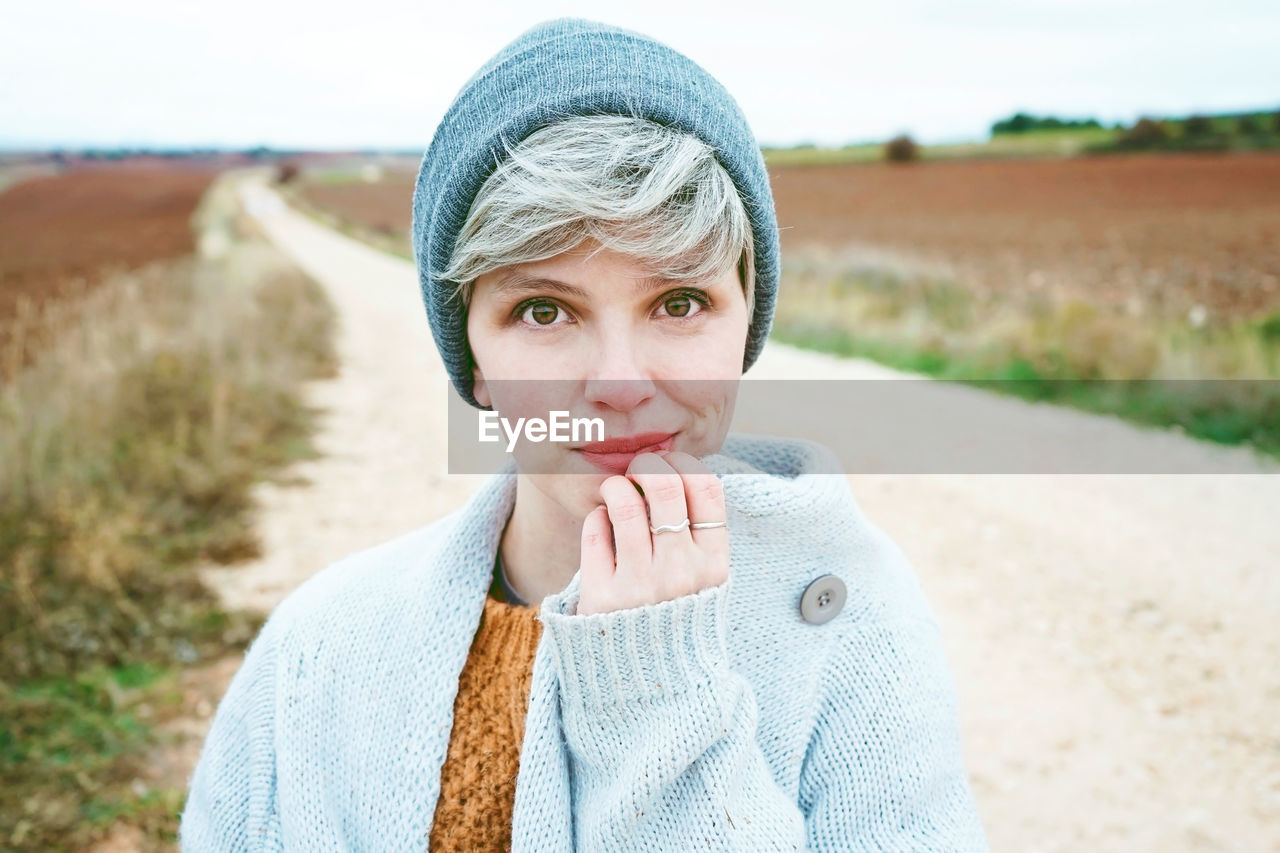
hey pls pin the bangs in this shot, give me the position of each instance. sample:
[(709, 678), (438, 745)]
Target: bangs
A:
[(654, 193)]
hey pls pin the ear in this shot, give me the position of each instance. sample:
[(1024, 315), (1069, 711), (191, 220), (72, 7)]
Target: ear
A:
[(479, 389)]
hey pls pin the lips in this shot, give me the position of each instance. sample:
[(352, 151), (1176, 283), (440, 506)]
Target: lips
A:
[(615, 454)]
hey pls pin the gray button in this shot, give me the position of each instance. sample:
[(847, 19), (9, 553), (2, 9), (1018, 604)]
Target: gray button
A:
[(822, 599)]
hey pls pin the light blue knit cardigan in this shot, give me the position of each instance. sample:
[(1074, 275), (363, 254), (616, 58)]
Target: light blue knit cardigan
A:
[(716, 721)]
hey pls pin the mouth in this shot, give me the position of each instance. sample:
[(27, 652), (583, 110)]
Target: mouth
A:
[(615, 454)]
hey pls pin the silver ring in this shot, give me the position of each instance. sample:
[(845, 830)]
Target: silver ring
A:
[(707, 525), (669, 528)]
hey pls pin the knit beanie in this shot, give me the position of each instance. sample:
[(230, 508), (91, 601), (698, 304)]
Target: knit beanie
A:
[(557, 69)]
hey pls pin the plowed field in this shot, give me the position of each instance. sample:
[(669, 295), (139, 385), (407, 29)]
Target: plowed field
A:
[(62, 231), (1159, 233), (1171, 231)]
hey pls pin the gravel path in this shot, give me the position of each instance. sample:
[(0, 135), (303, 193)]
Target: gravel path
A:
[(1114, 638)]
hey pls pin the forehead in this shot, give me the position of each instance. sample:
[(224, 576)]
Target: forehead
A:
[(582, 271)]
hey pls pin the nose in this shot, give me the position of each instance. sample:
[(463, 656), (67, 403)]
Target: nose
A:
[(621, 395), (618, 378)]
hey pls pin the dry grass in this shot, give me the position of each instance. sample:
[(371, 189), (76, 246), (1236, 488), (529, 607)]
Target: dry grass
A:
[(1063, 336), (1044, 345), (60, 235), (897, 302), (128, 447)]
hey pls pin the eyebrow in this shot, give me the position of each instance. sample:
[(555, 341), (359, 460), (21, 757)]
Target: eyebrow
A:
[(518, 282)]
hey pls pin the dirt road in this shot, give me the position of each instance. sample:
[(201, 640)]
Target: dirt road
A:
[(1115, 640)]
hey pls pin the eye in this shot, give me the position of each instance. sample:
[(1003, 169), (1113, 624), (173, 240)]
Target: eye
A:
[(542, 314), (684, 304)]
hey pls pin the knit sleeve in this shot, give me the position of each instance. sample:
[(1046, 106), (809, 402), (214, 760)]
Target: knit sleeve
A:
[(884, 769), (231, 799), (662, 733)]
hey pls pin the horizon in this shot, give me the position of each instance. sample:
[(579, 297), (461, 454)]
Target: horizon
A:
[(147, 75), (197, 148)]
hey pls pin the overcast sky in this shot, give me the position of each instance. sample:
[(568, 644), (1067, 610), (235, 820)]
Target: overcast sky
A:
[(380, 73)]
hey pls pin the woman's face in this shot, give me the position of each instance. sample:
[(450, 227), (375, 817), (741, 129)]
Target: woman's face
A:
[(658, 361)]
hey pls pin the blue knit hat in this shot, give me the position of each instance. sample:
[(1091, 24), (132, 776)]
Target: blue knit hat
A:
[(558, 69)]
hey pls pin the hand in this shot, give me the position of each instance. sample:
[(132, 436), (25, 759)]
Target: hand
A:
[(633, 567)]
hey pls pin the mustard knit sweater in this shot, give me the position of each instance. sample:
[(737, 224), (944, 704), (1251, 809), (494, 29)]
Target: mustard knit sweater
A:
[(478, 779)]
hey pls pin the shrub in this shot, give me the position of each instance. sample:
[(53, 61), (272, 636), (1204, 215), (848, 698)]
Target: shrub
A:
[(286, 172), (1017, 123), (1146, 133), (128, 452), (901, 149), (1022, 123), (1198, 125), (1248, 126), (1269, 329)]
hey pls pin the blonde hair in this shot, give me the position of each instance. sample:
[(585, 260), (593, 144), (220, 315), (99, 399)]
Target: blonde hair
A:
[(652, 192)]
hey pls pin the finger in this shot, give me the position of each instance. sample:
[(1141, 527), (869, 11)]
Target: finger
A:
[(704, 496), (633, 544), (597, 558), (663, 492)]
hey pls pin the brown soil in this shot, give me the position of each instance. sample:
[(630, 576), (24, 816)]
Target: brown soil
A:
[(62, 234), (383, 206), (1171, 230)]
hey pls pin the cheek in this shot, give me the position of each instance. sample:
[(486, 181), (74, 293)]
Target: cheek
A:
[(478, 341), (710, 404), (517, 399), (715, 354), (524, 395), (492, 351), (514, 354)]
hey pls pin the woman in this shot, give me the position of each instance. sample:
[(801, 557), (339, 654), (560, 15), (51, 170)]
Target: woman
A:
[(662, 639)]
